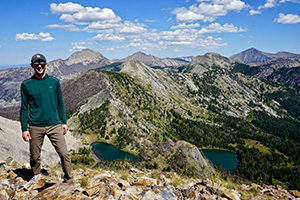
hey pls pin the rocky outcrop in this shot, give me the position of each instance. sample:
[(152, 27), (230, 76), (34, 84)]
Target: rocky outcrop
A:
[(16, 182), (12, 144), (189, 153)]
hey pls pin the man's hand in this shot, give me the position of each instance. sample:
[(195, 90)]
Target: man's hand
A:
[(64, 128), (26, 136)]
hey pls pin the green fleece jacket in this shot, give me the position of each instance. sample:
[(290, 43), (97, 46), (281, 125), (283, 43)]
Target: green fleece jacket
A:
[(41, 103)]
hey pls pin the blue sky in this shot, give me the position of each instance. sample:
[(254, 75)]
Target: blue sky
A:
[(164, 28)]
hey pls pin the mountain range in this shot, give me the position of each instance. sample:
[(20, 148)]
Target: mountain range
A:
[(253, 56), (86, 59), (147, 106)]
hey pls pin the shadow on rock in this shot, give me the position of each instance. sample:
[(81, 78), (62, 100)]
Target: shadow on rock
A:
[(26, 174)]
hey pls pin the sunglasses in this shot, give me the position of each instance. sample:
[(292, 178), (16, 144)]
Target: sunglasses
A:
[(36, 64)]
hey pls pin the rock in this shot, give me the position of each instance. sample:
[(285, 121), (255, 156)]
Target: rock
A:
[(122, 184), (167, 194), (231, 195), (4, 195), (145, 181), (190, 154), (135, 172), (12, 175), (11, 162), (150, 195), (188, 193), (102, 176), (296, 193), (99, 185), (206, 182), (163, 181), (36, 182)]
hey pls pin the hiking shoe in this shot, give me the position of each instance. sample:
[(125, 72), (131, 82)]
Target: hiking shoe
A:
[(68, 180)]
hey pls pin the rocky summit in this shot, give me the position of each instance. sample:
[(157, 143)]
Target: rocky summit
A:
[(16, 182)]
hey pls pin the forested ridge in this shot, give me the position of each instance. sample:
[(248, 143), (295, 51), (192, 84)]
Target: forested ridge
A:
[(214, 129)]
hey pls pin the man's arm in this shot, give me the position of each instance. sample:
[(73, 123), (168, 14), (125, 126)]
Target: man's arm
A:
[(61, 110), (24, 114)]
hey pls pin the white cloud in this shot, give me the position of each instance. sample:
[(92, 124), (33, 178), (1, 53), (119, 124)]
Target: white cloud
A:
[(287, 19), (254, 12), (66, 8), (126, 28), (218, 28), (175, 40), (269, 4), (45, 37), (204, 43), (98, 20), (174, 45), (142, 44), (150, 20), (111, 28), (208, 10), (78, 46), (181, 37), (184, 25), (293, 1), (131, 28), (89, 15), (274, 3), (69, 27), (108, 38), (101, 27)]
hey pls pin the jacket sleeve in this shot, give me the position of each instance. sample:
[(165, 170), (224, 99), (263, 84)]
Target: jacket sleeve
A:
[(24, 108), (60, 105)]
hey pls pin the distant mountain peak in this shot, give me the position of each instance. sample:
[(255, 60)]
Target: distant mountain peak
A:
[(141, 56), (84, 56), (212, 54), (210, 58), (254, 56), (151, 60), (203, 63)]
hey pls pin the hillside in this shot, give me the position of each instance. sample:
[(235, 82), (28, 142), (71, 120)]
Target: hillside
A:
[(146, 111), (285, 71)]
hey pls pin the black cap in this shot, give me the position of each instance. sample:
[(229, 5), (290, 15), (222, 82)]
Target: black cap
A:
[(37, 57)]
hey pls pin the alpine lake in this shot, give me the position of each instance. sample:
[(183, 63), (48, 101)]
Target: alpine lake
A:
[(226, 159), (109, 152)]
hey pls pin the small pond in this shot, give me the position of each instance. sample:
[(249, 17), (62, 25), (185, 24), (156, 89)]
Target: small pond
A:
[(109, 152), (226, 159)]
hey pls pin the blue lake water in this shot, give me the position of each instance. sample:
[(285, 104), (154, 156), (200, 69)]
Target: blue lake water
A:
[(226, 159), (110, 152)]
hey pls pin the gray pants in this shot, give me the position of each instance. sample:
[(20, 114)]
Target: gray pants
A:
[(57, 139)]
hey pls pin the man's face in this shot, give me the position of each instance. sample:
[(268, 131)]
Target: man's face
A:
[(39, 67)]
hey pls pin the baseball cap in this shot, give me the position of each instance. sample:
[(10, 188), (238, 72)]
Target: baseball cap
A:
[(37, 57)]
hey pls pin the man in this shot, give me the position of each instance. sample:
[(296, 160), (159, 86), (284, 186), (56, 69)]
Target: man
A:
[(43, 113)]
